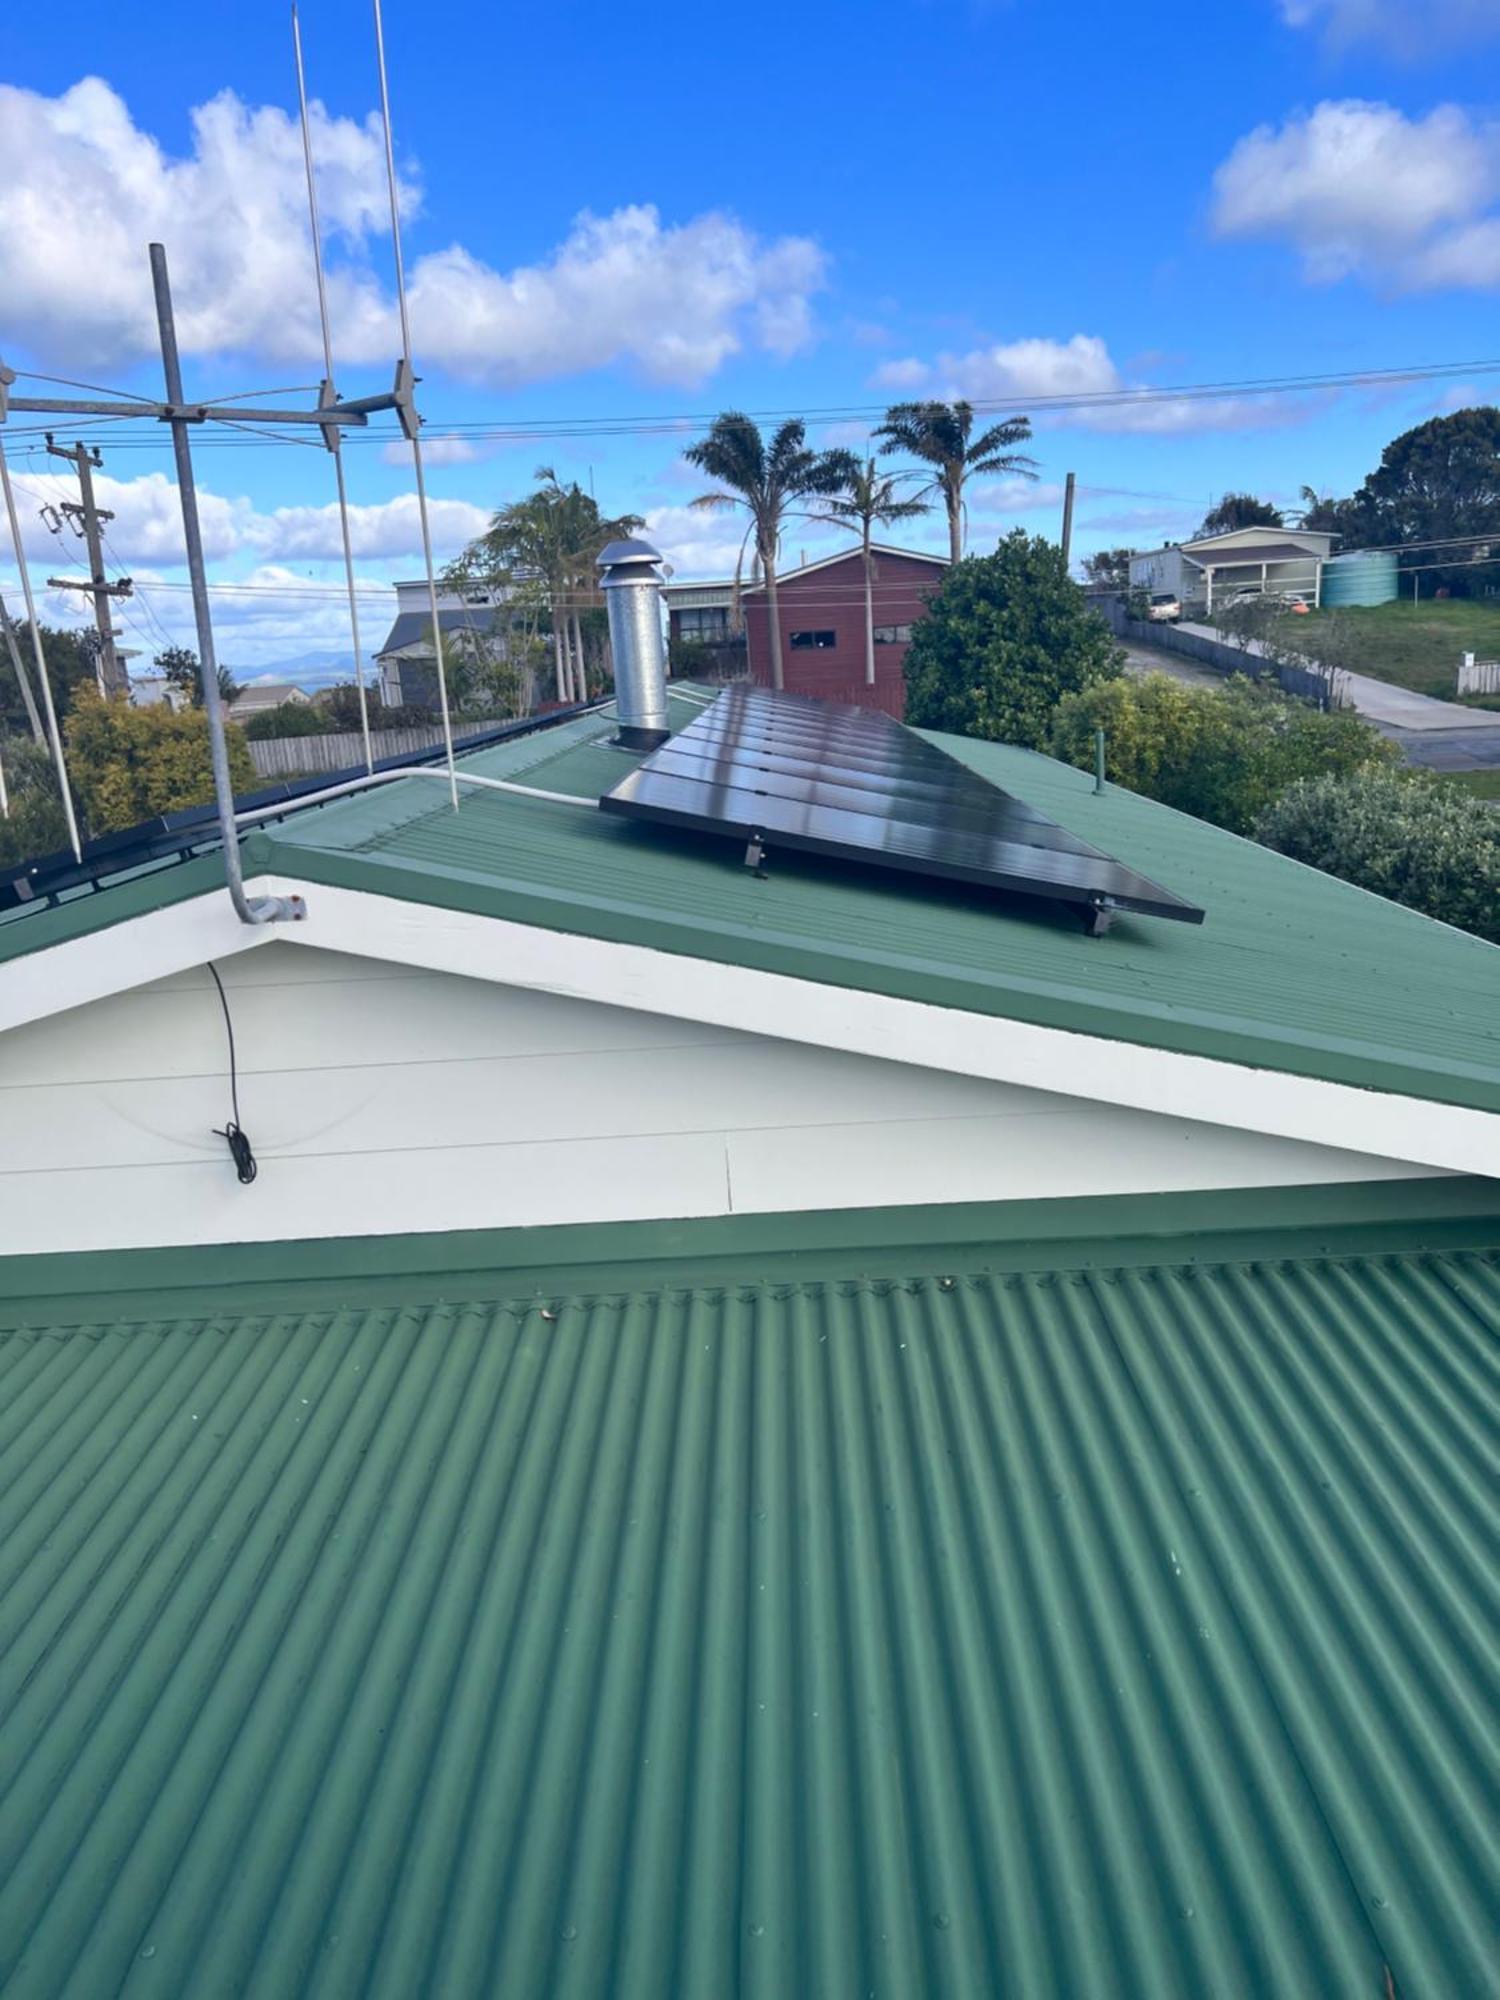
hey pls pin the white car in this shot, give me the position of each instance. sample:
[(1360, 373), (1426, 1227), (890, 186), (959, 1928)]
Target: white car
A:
[(1164, 608)]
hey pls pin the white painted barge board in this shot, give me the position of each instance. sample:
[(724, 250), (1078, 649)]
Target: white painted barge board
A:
[(384, 1098)]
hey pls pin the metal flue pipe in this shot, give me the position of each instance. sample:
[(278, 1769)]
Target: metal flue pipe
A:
[(629, 576)]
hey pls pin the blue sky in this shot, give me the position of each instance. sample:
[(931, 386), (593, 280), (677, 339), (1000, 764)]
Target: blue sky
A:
[(636, 218)]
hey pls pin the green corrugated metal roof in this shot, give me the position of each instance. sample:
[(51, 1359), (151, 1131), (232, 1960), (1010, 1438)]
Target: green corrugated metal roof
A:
[(1292, 971), (1087, 1628)]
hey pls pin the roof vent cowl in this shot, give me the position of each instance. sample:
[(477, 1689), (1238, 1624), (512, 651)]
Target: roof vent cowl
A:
[(630, 578)]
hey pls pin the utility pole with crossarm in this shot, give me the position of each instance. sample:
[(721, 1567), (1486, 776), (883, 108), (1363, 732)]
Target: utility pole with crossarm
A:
[(85, 517)]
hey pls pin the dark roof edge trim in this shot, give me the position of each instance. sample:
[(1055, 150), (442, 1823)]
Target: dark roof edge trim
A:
[(1069, 1233)]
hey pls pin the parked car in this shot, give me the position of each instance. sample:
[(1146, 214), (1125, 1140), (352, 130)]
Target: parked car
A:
[(1164, 608)]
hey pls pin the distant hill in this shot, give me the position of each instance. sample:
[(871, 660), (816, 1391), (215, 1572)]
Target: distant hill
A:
[(309, 670)]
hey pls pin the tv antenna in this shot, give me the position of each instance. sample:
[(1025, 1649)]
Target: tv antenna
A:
[(332, 416)]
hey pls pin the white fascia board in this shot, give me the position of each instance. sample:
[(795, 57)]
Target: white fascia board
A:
[(133, 952), (1195, 1088), (1198, 1088)]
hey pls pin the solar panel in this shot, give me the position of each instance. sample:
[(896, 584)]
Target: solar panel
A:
[(779, 770)]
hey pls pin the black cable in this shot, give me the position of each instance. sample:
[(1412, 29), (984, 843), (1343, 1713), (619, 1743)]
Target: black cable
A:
[(238, 1142)]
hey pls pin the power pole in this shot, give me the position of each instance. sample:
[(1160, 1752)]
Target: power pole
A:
[(1067, 533), (86, 517)]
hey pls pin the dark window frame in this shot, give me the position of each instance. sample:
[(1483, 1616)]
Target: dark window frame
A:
[(820, 641)]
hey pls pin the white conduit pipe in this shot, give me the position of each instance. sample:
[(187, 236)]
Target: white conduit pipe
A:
[(392, 777)]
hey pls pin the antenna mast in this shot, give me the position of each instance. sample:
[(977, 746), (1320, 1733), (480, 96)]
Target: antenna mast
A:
[(328, 395), (410, 422)]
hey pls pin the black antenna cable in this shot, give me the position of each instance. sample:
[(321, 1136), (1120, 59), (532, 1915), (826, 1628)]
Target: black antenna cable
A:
[(239, 1144)]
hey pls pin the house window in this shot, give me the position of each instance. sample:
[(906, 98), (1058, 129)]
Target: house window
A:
[(814, 642), (709, 624), (892, 635)]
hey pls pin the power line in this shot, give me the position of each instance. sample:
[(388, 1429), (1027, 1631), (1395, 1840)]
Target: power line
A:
[(482, 429)]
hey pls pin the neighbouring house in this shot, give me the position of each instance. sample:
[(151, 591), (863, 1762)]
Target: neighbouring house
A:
[(407, 662), (255, 697), (753, 1434), (1203, 573), (822, 607), (151, 690), (702, 614)]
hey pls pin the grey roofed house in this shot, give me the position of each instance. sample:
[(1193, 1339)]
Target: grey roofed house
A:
[(408, 671)]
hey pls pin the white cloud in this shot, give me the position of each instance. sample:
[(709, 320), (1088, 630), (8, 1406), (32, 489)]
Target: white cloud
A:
[(1401, 27), (435, 451), (1360, 189), (147, 527), (83, 189), (1023, 373)]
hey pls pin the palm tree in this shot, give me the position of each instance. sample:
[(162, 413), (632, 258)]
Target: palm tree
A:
[(940, 435), (870, 502), (764, 480)]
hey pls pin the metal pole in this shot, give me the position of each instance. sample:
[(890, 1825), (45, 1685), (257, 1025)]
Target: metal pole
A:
[(416, 441), (1098, 760), (266, 909), (111, 675), (41, 665), (1067, 533), (27, 697), (332, 436)]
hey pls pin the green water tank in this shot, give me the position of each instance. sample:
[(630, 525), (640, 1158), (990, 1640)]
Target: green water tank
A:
[(1364, 576)]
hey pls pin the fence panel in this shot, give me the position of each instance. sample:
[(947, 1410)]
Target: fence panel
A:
[(291, 756), (1478, 676)]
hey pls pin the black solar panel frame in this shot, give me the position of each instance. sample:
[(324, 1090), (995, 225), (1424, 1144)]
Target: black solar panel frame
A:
[(785, 770)]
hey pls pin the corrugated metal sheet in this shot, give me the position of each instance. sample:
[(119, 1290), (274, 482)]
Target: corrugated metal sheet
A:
[(1116, 1633), (1292, 970)]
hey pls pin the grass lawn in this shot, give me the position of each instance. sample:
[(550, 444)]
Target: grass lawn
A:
[(1478, 784), (1418, 646)]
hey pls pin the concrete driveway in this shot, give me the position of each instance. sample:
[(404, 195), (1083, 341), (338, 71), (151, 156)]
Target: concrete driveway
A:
[(1441, 735)]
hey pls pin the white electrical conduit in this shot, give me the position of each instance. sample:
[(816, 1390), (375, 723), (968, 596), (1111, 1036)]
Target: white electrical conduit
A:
[(331, 434), (41, 665), (416, 441), (391, 777)]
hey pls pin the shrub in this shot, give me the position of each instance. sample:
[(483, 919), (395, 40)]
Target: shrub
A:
[(1002, 640), (288, 718), (36, 825), (1404, 835), (132, 764), (1221, 754)]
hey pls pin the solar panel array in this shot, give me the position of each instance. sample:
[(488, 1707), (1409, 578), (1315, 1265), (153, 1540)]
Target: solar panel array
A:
[(784, 770)]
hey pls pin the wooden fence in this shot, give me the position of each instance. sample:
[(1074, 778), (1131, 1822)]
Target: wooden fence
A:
[(294, 756), (1478, 676)]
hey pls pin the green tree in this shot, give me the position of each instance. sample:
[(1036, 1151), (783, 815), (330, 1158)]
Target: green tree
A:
[(942, 436), (71, 658), (1437, 491), (1109, 569), (179, 667), (1403, 835), (1240, 510), (766, 480), (36, 825), (1003, 640), (291, 718), (1222, 754), (130, 764), (867, 502), (538, 557)]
